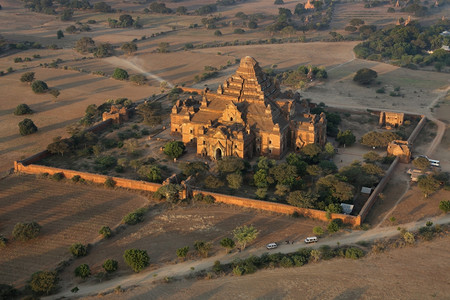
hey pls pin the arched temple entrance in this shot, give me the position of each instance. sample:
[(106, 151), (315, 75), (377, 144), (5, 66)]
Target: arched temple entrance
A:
[(218, 153)]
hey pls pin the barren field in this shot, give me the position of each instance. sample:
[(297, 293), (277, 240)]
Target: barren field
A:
[(409, 273), (164, 231), (68, 213)]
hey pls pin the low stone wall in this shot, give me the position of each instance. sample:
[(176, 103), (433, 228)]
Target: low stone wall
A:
[(417, 130), (192, 90), (279, 208), (96, 178)]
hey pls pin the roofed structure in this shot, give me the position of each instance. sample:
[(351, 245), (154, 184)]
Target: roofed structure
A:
[(247, 115)]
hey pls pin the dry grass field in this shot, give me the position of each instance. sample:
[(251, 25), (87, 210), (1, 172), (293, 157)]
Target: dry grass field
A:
[(68, 213)]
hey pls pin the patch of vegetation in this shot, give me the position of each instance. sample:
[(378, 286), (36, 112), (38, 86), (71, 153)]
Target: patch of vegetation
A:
[(78, 250), (106, 232), (22, 109), (137, 259), (83, 271), (26, 231), (44, 282), (134, 217)]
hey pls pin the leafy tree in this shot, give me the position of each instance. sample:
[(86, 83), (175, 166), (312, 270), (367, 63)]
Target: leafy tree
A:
[(171, 192), (334, 225), (78, 250), (428, 185), (22, 109), (182, 252), (245, 234), (110, 265), (163, 47), (346, 138), (129, 48), (106, 232), (27, 77), (193, 168), (227, 243), (85, 45), (378, 139), (44, 282), (311, 151), (231, 164), (27, 127), (59, 146), (337, 189), (54, 92), (365, 76), (296, 160), (353, 253), (371, 156), (136, 259), (103, 50), (203, 248), (260, 178), (26, 231), (120, 74), (151, 173), (302, 199), (174, 149), (83, 271), (372, 169), (134, 217), (235, 180), (139, 79), (421, 163), (265, 163), (284, 174), (261, 193), (39, 86), (444, 206)]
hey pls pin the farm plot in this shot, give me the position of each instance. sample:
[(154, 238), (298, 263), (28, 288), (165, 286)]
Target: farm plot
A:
[(68, 213)]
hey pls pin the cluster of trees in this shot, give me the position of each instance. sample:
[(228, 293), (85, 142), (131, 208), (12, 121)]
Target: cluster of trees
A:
[(379, 139), (407, 45), (125, 21), (298, 78)]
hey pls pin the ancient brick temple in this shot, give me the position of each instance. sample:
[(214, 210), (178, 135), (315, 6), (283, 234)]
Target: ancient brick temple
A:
[(247, 116)]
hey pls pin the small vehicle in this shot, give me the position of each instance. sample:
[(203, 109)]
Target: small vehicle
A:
[(311, 239), (271, 246)]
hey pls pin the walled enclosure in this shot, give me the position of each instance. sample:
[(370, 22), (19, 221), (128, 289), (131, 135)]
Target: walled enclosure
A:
[(29, 166)]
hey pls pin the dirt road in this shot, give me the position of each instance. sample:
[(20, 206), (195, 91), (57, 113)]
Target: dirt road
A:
[(185, 268), (440, 125)]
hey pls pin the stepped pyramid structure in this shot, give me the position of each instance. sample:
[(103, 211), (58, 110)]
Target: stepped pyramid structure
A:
[(247, 116)]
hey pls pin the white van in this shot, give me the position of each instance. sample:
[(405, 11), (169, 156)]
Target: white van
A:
[(434, 163), (311, 239), (271, 246)]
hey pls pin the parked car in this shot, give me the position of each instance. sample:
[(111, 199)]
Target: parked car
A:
[(311, 239), (271, 246)]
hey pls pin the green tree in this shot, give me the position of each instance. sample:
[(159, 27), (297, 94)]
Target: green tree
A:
[(85, 45), (334, 225), (235, 180), (245, 234), (110, 265), (444, 206), (317, 230), (365, 76), (311, 151), (302, 199), (54, 92), (379, 139), (83, 271), (171, 192), (371, 156), (120, 74), (138, 79), (346, 138), (59, 34), (78, 250), (203, 248), (428, 185), (44, 282), (231, 164), (39, 86), (106, 232), (284, 174), (372, 169), (137, 259), (182, 252), (163, 47), (22, 109), (174, 149), (421, 163), (26, 231), (260, 178), (338, 189), (27, 127), (227, 243), (27, 77), (129, 48), (59, 146), (151, 173), (103, 50)]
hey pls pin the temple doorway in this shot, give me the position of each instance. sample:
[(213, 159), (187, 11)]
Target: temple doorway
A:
[(218, 153)]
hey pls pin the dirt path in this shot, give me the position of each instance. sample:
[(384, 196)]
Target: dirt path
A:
[(395, 205), (185, 268), (440, 125)]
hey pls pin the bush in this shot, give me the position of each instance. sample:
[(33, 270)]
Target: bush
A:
[(27, 127), (174, 149), (58, 176), (134, 217), (27, 77), (106, 232), (3, 242), (44, 282), (120, 74), (354, 253), (26, 231), (78, 250), (83, 271), (109, 182), (318, 231), (110, 265), (334, 225), (136, 259), (22, 109), (444, 206), (76, 178), (365, 76), (182, 252), (39, 87)]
